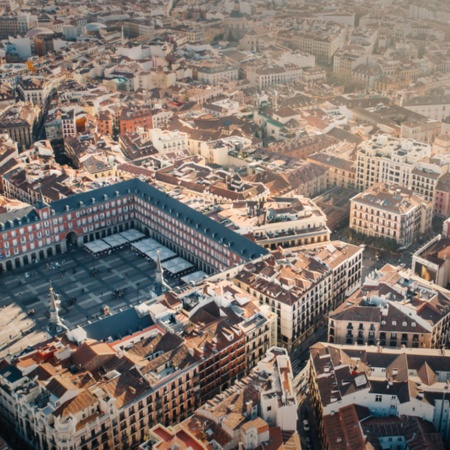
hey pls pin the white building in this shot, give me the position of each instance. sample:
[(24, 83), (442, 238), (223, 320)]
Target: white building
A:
[(166, 141), (389, 160)]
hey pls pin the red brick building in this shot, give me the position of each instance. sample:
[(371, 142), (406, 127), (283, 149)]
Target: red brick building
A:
[(37, 232), (132, 118)]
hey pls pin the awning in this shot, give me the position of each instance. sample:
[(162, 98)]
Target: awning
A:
[(116, 240), (132, 235), (96, 247), (194, 277), (176, 265)]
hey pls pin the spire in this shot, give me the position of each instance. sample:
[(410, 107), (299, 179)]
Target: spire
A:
[(55, 325), (159, 270), (41, 202)]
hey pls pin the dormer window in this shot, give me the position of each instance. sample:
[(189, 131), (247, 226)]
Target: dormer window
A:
[(394, 322)]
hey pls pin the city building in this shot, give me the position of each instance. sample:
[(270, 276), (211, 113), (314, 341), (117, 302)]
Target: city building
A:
[(285, 222), (20, 121), (320, 38), (300, 286), (388, 159), (390, 212), (76, 391), (385, 383), (432, 263), (393, 308), (37, 90), (214, 74), (133, 118), (258, 410), (43, 230)]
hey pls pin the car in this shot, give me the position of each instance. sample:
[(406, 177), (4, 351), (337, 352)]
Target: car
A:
[(306, 425)]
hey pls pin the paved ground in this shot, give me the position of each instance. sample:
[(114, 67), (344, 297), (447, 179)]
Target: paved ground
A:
[(73, 279)]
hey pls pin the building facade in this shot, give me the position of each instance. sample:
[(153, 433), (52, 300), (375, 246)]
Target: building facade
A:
[(38, 232), (393, 308), (390, 212)]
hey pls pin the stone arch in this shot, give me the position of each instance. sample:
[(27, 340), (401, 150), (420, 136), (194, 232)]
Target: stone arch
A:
[(17, 262), (49, 252), (26, 260), (9, 265), (72, 239)]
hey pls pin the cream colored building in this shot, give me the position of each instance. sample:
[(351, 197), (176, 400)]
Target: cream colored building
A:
[(303, 285), (388, 159), (382, 312), (167, 141), (285, 222), (390, 212)]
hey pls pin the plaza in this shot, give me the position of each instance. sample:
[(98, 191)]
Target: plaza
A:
[(122, 279)]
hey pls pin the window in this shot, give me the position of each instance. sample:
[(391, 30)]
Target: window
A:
[(413, 324), (378, 398), (394, 322)]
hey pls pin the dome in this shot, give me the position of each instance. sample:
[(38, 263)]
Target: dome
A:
[(40, 30)]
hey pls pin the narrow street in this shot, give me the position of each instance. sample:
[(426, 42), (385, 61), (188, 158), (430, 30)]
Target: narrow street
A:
[(300, 366)]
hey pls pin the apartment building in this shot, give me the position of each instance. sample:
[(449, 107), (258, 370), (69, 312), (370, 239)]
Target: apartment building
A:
[(432, 263), (388, 159), (133, 118), (37, 90), (280, 74), (393, 308), (390, 212), (355, 427), (54, 398), (345, 262), (299, 287), (250, 413), (406, 163), (214, 74), (341, 172), (433, 106), (215, 186), (285, 222), (322, 39), (20, 122), (90, 394), (168, 141), (68, 123), (41, 231), (384, 383)]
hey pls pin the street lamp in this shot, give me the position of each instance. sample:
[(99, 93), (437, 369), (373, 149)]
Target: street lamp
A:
[(137, 291)]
